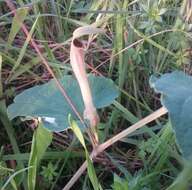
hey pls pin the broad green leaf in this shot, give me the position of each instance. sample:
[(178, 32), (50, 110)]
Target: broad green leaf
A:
[(17, 23), (47, 102), (41, 140), (176, 96)]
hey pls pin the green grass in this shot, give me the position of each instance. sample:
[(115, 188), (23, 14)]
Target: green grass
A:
[(137, 43)]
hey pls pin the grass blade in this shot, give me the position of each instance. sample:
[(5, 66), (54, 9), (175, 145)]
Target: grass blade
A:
[(90, 167), (23, 50), (41, 140), (17, 24)]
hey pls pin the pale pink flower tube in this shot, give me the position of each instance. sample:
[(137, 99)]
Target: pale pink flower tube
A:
[(78, 66)]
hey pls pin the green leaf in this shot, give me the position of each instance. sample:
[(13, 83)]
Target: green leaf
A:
[(47, 102), (41, 140), (90, 168), (176, 96), (24, 48), (77, 132), (120, 184), (11, 179), (184, 179), (92, 174), (17, 23), (1, 87)]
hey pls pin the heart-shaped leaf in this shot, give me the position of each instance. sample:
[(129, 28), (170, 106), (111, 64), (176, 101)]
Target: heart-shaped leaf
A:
[(47, 102), (176, 96)]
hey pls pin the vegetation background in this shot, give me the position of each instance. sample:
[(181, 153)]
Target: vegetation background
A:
[(142, 38)]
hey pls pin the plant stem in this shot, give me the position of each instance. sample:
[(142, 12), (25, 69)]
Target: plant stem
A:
[(119, 136)]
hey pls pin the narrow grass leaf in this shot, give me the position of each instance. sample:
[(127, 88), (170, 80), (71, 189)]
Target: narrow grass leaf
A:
[(120, 184), (41, 140), (183, 180), (90, 167), (24, 48), (11, 178), (152, 42), (51, 155), (92, 174), (1, 87), (77, 132), (17, 24)]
